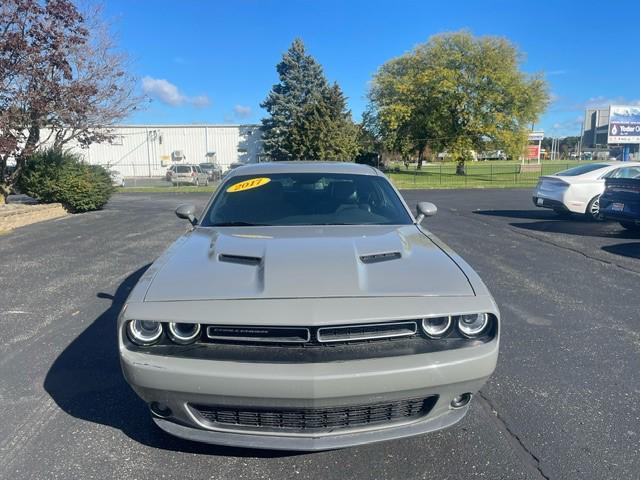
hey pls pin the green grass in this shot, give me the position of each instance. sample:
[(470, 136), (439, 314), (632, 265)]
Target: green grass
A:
[(479, 175)]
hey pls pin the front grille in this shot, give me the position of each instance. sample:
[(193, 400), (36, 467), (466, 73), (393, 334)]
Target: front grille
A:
[(317, 419), (258, 334), (310, 336), (352, 333)]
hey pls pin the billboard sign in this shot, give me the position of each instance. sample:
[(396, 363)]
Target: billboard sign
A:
[(624, 124), (536, 136), (533, 152)]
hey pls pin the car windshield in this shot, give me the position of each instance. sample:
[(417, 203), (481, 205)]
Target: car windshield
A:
[(581, 170), (183, 169), (306, 199)]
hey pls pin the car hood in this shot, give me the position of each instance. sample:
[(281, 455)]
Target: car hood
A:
[(305, 262)]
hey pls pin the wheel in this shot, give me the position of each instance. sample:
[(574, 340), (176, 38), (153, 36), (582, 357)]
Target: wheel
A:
[(632, 227), (593, 210)]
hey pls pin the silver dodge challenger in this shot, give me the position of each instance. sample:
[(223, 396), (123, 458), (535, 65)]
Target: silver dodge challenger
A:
[(307, 309)]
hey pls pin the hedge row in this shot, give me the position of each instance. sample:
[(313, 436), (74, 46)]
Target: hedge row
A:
[(57, 176)]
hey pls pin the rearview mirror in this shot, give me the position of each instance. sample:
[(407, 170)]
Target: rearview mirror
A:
[(425, 209), (188, 212)]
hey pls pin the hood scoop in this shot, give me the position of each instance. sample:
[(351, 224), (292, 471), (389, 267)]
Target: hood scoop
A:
[(380, 257), (239, 259)]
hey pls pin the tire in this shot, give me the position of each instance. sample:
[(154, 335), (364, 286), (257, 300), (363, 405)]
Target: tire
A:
[(632, 227), (593, 210)]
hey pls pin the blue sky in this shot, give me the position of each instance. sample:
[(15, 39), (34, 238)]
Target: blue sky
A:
[(214, 62)]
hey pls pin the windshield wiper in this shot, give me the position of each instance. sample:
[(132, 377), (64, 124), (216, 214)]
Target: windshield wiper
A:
[(239, 224)]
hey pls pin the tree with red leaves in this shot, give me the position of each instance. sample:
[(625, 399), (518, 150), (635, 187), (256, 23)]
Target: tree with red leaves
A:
[(59, 73)]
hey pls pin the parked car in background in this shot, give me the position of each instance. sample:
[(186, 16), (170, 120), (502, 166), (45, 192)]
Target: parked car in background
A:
[(232, 167), (116, 178), (213, 170), (493, 155), (621, 198), (191, 174), (169, 173), (578, 189), (307, 309)]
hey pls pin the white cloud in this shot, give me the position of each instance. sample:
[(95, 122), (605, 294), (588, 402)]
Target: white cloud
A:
[(169, 94), (602, 101), (201, 101), (242, 111), (163, 90)]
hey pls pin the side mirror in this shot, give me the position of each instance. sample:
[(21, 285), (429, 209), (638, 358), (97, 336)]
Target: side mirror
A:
[(425, 209), (188, 212)]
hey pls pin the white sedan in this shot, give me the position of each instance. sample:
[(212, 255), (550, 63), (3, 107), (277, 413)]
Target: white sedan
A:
[(578, 189), (117, 180)]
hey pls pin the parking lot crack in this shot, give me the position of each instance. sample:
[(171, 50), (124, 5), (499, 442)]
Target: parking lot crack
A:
[(549, 242), (575, 250), (528, 457)]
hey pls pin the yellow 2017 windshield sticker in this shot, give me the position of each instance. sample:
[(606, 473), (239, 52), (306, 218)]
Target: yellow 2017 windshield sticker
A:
[(248, 184)]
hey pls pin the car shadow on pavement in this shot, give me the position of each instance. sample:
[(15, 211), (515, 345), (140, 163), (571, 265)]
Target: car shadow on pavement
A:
[(86, 382), (549, 222), (631, 250), (538, 214)]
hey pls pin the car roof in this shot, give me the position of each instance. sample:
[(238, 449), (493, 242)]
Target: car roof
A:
[(619, 164), (304, 167)]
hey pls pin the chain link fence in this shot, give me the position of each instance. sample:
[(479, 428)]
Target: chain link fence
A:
[(489, 175)]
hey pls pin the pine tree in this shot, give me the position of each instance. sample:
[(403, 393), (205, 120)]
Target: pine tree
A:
[(308, 118)]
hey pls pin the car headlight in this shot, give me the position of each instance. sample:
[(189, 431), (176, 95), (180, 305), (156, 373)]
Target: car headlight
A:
[(472, 325), (184, 333), (144, 332), (436, 327)]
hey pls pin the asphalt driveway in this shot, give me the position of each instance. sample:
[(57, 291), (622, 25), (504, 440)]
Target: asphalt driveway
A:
[(562, 404)]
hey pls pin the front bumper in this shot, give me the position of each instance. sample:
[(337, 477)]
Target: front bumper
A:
[(179, 382)]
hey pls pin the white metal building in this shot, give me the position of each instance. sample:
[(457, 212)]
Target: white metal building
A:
[(148, 150)]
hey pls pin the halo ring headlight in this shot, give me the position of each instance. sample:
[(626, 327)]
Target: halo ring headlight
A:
[(144, 332), (184, 333), (472, 325), (436, 327)]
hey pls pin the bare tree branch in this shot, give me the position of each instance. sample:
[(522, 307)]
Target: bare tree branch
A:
[(59, 70)]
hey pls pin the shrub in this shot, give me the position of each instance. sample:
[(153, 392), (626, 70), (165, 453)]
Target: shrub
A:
[(57, 176)]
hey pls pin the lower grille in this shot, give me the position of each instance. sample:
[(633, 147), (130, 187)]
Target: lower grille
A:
[(318, 419)]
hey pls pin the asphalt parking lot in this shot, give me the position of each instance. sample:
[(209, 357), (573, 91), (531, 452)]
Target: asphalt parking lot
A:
[(562, 403)]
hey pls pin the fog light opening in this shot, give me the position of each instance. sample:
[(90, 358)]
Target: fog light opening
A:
[(160, 410), (461, 400)]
